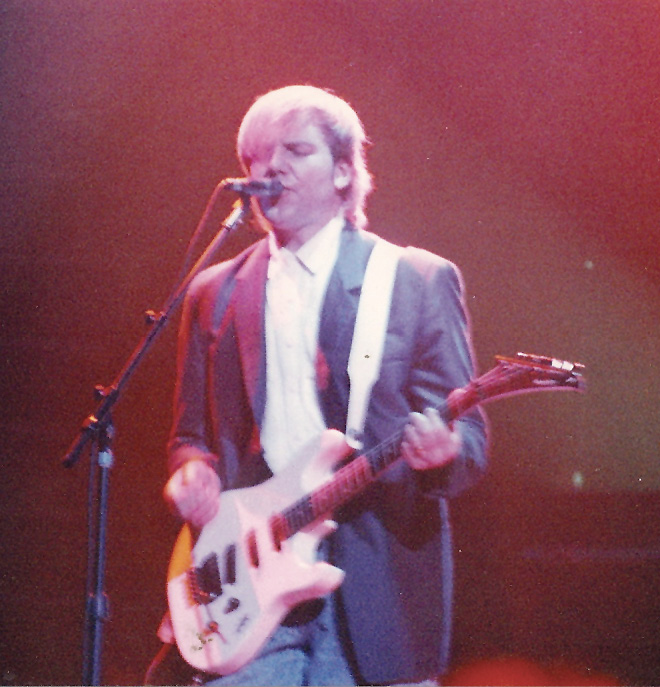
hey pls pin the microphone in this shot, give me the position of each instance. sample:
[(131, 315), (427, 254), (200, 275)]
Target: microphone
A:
[(248, 187)]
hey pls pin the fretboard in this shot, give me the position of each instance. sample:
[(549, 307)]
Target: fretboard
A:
[(349, 481)]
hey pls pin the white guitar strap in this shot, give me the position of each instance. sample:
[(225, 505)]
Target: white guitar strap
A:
[(369, 335)]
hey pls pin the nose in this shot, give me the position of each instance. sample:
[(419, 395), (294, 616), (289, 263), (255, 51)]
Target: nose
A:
[(275, 165)]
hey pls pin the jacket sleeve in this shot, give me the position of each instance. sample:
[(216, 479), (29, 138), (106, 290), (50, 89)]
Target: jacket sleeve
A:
[(190, 436), (442, 361)]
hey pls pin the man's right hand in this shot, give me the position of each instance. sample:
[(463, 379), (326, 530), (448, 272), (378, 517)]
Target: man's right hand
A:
[(193, 492)]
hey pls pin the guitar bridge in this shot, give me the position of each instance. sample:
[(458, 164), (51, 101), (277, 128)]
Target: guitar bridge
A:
[(204, 582)]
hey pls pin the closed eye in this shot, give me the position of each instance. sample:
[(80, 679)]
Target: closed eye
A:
[(300, 149)]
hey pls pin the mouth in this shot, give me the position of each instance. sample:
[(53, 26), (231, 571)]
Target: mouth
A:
[(281, 191), (269, 202)]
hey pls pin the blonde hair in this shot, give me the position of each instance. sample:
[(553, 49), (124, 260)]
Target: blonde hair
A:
[(339, 123)]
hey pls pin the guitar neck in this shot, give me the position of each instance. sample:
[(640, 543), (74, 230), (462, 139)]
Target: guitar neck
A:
[(347, 482), (509, 376)]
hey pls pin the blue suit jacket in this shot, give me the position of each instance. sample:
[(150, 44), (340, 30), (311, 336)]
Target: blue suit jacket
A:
[(394, 540)]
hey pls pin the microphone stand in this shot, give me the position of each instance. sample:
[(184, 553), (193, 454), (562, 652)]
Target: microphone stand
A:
[(98, 430)]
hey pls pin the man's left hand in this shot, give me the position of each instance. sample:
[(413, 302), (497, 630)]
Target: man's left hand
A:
[(429, 442)]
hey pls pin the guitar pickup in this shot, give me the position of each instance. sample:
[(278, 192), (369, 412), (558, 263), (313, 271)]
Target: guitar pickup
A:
[(204, 581), (252, 548), (278, 531), (230, 564)]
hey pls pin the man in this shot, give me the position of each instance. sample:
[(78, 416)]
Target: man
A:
[(262, 372)]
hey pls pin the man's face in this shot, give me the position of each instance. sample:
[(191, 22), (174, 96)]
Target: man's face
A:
[(294, 152)]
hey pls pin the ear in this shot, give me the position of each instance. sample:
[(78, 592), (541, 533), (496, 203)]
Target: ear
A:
[(343, 175)]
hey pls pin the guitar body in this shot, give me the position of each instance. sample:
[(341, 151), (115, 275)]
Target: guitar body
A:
[(229, 589)]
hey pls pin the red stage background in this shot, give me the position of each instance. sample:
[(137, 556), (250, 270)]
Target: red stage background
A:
[(519, 139)]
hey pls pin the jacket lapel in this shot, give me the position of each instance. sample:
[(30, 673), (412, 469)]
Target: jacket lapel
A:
[(344, 288), (249, 302), (338, 321)]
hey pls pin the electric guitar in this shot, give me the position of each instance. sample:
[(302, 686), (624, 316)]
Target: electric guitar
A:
[(230, 587)]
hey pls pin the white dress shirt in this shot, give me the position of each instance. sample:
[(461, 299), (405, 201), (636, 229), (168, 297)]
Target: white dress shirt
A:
[(295, 290)]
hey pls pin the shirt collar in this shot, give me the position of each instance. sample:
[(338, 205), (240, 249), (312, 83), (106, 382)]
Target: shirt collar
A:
[(315, 254)]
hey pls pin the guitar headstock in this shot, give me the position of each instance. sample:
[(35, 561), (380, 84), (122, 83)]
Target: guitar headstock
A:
[(538, 371), (522, 374)]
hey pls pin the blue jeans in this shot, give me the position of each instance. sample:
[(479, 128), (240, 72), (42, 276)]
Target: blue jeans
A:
[(307, 654)]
